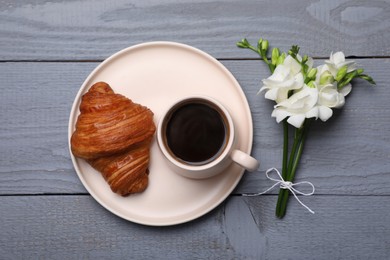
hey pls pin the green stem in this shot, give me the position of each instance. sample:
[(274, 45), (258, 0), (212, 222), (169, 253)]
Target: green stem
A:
[(264, 57), (296, 161), (285, 148), (290, 177), (282, 192), (295, 164), (295, 157), (253, 49), (297, 139)]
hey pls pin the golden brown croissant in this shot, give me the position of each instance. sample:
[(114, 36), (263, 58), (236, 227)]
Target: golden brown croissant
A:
[(114, 135)]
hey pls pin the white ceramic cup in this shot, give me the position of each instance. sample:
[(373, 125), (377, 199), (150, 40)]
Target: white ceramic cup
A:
[(227, 154)]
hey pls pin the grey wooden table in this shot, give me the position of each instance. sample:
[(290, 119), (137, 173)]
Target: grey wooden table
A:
[(47, 49)]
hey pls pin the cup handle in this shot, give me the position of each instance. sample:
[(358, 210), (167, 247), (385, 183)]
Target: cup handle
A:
[(245, 160)]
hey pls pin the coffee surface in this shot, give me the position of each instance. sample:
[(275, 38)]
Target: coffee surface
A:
[(196, 133)]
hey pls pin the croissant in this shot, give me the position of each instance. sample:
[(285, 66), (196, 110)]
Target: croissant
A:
[(114, 134)]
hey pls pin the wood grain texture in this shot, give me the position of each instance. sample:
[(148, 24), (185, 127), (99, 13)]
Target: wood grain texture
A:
[(45, 212), (94, 29), (349, 154), (58, 227)]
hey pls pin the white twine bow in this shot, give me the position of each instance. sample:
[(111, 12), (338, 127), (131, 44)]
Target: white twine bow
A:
[(288, 185)]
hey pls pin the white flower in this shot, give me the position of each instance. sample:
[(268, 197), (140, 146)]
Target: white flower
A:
[(299, 106), (286, 77), (329, 96), (313, 101), (346, 89), (337, 61), (325, 77)]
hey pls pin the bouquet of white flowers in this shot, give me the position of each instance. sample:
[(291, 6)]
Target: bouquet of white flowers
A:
[(302, 93)]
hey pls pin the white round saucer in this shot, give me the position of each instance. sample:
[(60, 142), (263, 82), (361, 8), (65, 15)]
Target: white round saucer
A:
[(155, 74)]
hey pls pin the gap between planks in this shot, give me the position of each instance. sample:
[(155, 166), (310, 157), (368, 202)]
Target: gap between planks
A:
[(233, 195), (221, 59)]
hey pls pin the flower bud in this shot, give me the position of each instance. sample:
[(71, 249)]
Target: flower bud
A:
[(264, 45), (243, 43), (350, 76), (326, 78), (259, 42), (341, 73), (275, 56), (281, 59), (311, 84), (368, 78), (305, 58), (312, 73)]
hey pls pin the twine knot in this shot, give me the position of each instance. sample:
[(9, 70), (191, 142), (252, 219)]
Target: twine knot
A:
[(287, 185)]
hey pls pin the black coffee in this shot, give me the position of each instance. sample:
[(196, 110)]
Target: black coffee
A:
[(196, 133)]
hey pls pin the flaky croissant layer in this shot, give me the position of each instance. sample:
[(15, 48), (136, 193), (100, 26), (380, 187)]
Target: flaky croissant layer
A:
[(114, 135)]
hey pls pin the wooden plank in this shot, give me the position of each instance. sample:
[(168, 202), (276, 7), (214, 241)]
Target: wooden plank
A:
[(35, 102), (68, 227), (70, 30), (347, 155)]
